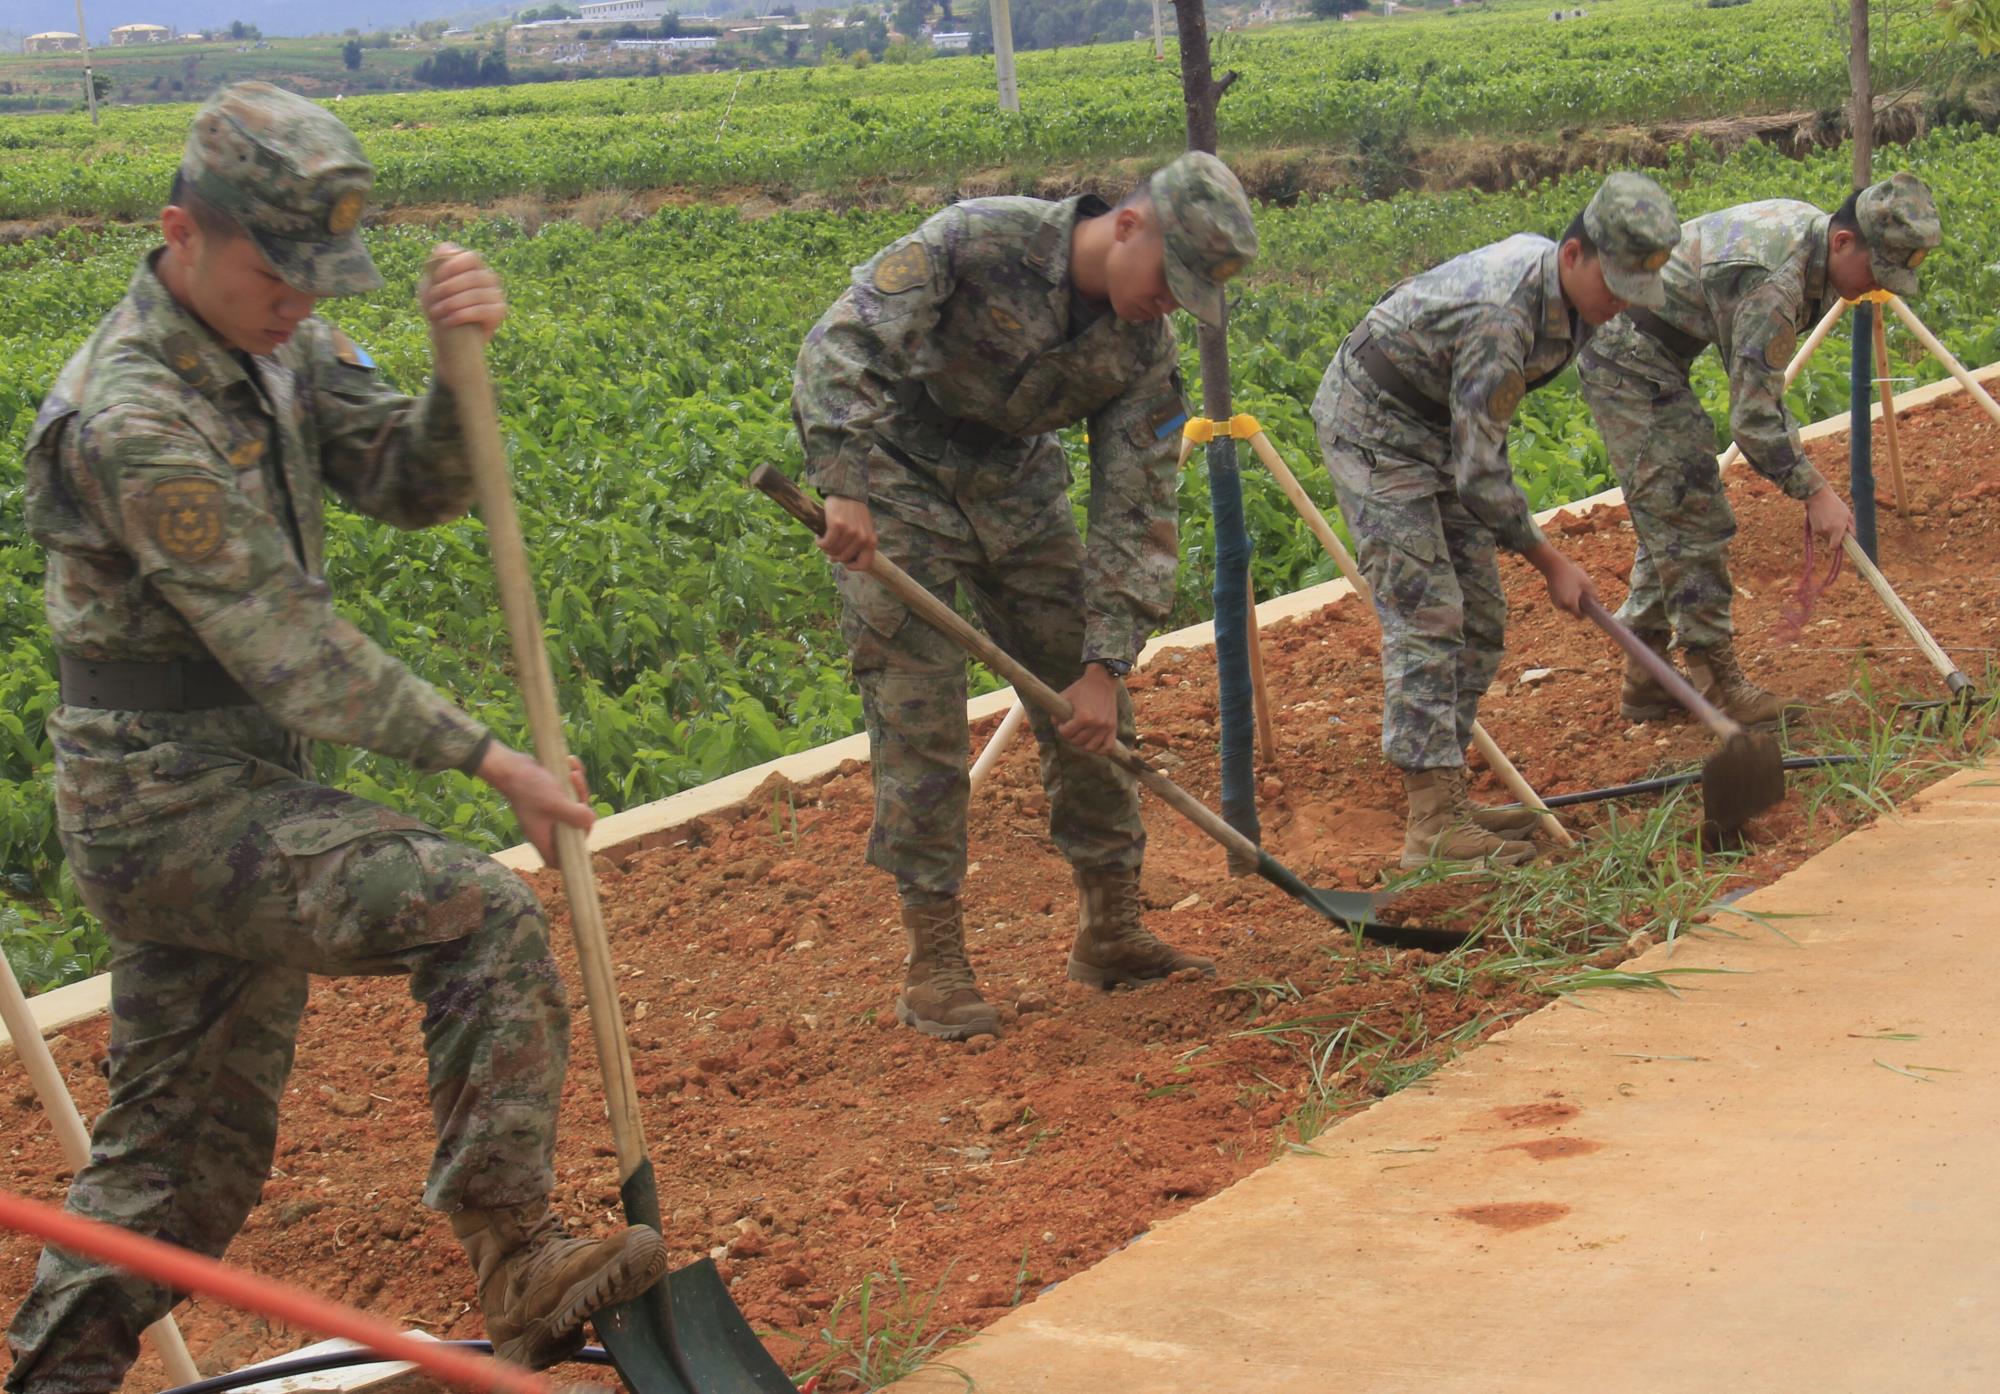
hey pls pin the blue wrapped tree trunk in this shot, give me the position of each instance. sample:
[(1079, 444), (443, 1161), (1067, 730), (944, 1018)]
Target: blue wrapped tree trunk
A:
[(1235, 699)]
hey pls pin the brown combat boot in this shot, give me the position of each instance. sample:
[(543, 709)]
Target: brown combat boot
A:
[(1443, 824), (1717, 676), (1640, 696), (938, 997), (1112, 948), (538, 1285)]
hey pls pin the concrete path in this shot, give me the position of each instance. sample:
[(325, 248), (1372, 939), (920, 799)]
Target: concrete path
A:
[(1733, 1190)]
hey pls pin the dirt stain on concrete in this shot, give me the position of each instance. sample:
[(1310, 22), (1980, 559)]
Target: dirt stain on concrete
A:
[(1512, 1215), (1536, 1115), (1552, 1149)]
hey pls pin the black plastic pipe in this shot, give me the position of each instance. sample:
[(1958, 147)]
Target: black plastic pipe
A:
[(340, 1360), (1675, 781)]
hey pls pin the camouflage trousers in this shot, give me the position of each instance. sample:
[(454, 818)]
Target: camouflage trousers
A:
[(1433, 568), (913, 689), (217, 914), (1662, 446)]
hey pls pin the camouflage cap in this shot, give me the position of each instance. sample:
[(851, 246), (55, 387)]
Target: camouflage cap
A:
[(1206, 225), (293, 176), (1899, 222), (1632, 222)]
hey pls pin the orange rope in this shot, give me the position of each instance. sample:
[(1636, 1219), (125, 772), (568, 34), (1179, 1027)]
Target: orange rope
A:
[(1800, 607), (195, 1273)]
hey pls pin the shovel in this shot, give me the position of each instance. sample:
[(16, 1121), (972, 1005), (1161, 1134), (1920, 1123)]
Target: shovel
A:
[(1351, 909), (684, 1335), (1740, 780)]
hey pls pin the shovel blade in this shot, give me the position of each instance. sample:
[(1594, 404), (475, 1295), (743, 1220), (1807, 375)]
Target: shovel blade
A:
[(1738, 782), (1355, 911), (685, 1334), (718, 1352)]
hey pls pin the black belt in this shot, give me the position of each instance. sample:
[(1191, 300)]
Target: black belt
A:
[(1390, 379), (975, 436), (1679, 341), (174, 686)]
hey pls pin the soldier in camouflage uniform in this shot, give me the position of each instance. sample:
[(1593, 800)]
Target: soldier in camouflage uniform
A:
[(175, 477), (927, 399), (1412, 418), (1749, 280)]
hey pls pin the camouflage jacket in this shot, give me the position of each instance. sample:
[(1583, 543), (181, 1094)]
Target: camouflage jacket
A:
[(1474, 334), (930, 387), (177, 488), (1750, 280)]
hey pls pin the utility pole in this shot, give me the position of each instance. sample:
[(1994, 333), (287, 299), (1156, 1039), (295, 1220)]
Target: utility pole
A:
[(1003, 54), (1159, 44), (89, 74)]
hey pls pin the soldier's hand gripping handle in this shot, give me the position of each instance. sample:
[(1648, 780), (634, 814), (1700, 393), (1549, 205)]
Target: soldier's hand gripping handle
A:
[(460, 291), (1569, 584), (850, 533), (539, 802), (841, 536)]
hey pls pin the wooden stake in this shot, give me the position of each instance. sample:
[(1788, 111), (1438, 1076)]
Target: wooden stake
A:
[(1944, 356), (1260, 691), (1003, 736), (1888, 390), (73, 1139)]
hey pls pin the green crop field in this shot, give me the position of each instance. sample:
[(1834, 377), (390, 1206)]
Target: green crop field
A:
[(647, 365), (1505, 69), (647, 368), (32, 82)]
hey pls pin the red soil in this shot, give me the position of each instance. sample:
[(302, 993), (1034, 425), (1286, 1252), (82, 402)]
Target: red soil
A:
[(798, 1129)]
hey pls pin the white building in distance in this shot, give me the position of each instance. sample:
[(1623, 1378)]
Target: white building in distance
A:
[(636, 12), (140, 34), (957, 41), (53, 41)]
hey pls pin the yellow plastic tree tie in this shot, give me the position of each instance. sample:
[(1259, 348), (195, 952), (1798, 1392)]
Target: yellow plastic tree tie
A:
[(1201, 430), (1873, 297)]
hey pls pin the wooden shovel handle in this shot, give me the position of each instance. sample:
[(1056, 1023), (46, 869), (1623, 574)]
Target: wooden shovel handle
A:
[(1662, 671), (1030, 688), (461, 363)]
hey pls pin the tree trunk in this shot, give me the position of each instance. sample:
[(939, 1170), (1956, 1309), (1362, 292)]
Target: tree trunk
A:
[(1201, 91), (1862, 83)]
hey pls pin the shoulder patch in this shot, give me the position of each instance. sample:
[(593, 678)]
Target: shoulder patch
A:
[(184, 357), (1167, 417), (1505, 397), (350, 353), (186, 517), (1778, 352), (906, 268)]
